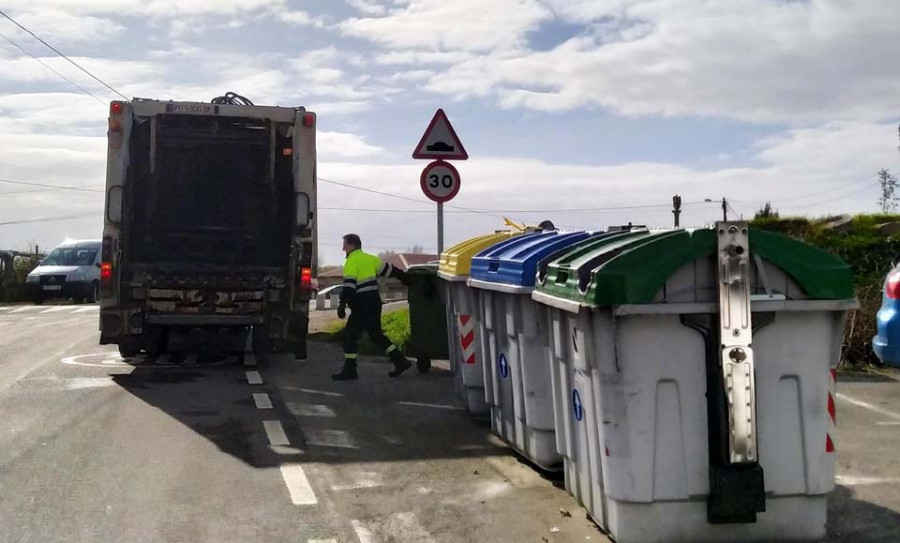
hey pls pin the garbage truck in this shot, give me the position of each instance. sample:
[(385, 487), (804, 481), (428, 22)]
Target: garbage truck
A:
[(210, 223)]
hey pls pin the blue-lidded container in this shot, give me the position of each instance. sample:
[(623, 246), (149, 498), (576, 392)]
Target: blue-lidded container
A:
[(515, 346), (514, 262)]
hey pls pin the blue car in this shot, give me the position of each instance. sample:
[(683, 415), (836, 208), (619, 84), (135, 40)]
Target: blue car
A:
[(887, 343)]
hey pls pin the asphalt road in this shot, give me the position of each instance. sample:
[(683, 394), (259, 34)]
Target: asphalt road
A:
[(93, 449)]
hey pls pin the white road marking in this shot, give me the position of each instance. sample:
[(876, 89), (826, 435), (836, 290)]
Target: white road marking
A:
[(26, 308), (55, 309), (275, 433), (311, 391), (89, 309), (310, 410), (870, 407), (79, 383), (888, 423), (432, 405), (254, 378), (285, 450), (298, 485), (321, 541), (850, 480), (262, 401), (361, 480), (330, 438), (362, 533)]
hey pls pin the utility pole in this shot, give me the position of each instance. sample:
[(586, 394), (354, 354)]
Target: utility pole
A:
[(676, 204), (724, 209)]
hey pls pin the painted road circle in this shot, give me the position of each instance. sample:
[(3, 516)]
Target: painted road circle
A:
[(577, 407), (440, 181), (503, 366), (113, 360)]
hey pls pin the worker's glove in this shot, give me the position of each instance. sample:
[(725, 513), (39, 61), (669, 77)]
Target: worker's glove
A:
[(342, 311)]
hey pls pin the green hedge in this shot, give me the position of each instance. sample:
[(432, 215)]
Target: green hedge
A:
[(869, 254)]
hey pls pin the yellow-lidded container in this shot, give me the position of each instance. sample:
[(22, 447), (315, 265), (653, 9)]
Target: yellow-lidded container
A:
[(456, 262), (463, 327)]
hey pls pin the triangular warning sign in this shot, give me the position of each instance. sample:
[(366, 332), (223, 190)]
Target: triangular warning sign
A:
[(440, 141)]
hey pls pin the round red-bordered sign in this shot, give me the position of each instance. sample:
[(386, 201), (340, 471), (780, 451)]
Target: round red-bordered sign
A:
[(440, 181)]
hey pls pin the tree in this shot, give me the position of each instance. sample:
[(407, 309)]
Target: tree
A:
[(384, 255), (888, 199), (766, 212), (416, 250)]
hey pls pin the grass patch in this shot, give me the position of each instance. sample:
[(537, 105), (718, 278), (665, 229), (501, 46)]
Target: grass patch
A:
[(395, 325)]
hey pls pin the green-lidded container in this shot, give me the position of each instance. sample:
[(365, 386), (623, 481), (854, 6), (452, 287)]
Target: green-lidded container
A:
[(693, 377)]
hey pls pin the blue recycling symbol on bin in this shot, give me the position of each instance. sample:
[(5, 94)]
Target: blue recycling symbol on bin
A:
[(577, 407), (503, 366)]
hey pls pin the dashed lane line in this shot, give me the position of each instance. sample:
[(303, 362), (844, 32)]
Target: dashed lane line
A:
[(275, 433), (254, 378), (262, 401), (298, 485)]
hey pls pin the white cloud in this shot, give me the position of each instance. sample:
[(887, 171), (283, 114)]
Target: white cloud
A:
[(333, 145), (157, 8), (368, 7), (435, 25), (63, 28), (797, 62)]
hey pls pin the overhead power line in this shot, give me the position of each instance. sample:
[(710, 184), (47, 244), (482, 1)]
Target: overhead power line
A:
[(58, 52), (53, 219), (54, 187), (45, 65)]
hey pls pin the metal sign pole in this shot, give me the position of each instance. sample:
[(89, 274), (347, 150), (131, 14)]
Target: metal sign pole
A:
[(440, 228)]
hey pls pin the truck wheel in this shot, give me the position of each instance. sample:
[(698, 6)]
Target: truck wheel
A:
[(423, 364), (129, 347), (38, 299)]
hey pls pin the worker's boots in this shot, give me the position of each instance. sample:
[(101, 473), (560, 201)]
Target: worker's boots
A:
[(401, 364), (348, 372)]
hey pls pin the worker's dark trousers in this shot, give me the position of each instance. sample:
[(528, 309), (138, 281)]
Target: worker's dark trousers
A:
[(365, 316)]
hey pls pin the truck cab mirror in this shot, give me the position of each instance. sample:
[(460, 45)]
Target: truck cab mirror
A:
[(302, 219)]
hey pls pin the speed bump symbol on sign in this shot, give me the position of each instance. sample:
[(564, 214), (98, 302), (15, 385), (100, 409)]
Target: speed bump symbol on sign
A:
[(440, 181)]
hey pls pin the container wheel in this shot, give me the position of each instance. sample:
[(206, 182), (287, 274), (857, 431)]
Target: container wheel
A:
[(423, 363)]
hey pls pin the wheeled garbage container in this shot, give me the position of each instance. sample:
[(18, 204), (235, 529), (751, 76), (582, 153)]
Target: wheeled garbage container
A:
[(462, 318), (514, 342), (693, 373), (427, 316)]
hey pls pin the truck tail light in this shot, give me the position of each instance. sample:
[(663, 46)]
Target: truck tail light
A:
[(309, 119), (306, 280), (892, 287), (106, 269)]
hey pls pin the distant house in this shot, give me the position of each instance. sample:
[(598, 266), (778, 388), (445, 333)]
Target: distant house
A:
[(405, 260)]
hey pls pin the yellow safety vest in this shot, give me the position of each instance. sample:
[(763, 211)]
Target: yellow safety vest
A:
[(361, 272)]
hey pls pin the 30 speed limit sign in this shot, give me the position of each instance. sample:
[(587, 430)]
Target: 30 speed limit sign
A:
[(440, 181)]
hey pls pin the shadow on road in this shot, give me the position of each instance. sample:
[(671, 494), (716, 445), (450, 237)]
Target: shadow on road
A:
[(374, 419), (856, 521)]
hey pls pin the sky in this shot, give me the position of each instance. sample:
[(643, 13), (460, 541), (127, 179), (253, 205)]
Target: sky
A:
[(588, 113)]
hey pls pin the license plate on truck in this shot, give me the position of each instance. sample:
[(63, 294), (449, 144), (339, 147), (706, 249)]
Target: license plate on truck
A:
[(53, 287)]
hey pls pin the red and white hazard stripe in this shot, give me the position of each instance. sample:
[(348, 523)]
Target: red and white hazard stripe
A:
[(832, 415), (467, 338)]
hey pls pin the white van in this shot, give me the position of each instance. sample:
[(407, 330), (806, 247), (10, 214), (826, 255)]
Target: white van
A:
[(72, 270)]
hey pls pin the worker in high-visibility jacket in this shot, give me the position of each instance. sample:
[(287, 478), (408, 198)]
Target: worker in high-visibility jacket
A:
[(360, 294)]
